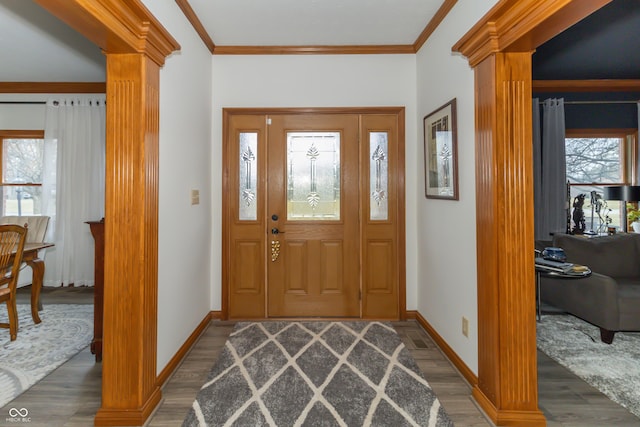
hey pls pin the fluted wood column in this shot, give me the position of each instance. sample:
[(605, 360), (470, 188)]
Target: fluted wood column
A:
[(507, 373), (129, 389), (499, 47)]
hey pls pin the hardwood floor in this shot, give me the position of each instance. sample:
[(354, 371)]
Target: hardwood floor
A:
[(70, 396)]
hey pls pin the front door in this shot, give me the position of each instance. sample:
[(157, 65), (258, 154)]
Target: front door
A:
[(309, 198), (312, 209)]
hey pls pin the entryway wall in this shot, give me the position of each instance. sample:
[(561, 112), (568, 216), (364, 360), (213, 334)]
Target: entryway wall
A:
[(447, 231), (320, 81)]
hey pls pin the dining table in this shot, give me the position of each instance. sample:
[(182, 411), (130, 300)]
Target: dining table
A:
[(31, 257)]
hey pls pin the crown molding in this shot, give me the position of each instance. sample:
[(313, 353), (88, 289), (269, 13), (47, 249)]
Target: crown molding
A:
[(439, 16), (315, 50)]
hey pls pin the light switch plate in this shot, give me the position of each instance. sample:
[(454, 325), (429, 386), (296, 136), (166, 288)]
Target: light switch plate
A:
[(195, 197)]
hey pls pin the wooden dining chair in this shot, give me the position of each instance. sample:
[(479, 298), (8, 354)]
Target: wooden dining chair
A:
[(12, 238)]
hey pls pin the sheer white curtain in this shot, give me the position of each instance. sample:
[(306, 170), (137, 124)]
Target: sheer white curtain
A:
[(73, 185), (550, 177)]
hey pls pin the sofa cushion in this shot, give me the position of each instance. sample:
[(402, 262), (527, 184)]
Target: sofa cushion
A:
[(614, 256)]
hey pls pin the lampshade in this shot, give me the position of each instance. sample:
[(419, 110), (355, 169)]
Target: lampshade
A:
[(631, 193), (628, 193), (613, 192)]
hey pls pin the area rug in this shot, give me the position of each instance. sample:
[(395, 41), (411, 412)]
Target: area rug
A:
[(39, 349), (315, 374), (612, 369)]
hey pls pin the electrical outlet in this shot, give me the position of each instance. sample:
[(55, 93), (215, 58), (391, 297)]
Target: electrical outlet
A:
[(465, 326)]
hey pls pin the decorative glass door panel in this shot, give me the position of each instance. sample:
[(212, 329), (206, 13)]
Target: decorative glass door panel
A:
[(248, 172), (378, 175), (313, 176)]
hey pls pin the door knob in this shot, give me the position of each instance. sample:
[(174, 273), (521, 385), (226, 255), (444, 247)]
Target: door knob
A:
[(275, 230)]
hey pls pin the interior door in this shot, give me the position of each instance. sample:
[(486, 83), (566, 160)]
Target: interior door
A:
[(313, 268)]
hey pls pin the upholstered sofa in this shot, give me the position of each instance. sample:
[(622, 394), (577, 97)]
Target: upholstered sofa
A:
[(610, 297)]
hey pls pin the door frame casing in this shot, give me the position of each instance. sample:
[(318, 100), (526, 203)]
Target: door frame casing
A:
[(401, 205)]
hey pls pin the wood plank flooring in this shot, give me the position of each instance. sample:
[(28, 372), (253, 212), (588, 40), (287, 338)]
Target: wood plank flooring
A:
[(70, 396)]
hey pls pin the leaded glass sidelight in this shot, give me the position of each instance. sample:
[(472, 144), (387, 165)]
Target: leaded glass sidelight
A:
[(248, 176), (313, 175), (378, 176)]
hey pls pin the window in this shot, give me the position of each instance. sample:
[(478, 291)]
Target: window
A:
[(594, 159), (21, 171)]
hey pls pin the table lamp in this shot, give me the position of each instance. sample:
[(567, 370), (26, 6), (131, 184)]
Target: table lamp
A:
[(624, 193)]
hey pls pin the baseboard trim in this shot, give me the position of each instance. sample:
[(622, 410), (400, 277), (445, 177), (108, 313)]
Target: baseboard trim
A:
[(127, 416), (217, 315), (173, 364), (462, 367), (508, 417)]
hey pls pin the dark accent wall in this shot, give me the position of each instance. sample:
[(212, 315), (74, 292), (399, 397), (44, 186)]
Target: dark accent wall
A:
[(598, 116), (604, 45)]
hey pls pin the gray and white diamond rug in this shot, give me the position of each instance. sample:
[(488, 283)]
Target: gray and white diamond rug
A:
[(315, 374), (39, 349), (613, 369)]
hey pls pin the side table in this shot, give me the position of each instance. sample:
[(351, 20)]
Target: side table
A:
[(560, 270)]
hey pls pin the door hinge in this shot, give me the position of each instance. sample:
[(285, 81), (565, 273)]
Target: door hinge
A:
[(268, 121)]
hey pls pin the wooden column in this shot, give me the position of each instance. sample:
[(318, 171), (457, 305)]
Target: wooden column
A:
[(507, 373), (136, 45), (499, 47), (129, 389)]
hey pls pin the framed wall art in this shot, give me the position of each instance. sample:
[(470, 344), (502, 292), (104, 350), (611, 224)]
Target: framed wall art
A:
[(441, 153)]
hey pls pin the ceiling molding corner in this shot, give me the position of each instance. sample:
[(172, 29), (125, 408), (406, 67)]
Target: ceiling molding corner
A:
[(437, 19), (196, 24)]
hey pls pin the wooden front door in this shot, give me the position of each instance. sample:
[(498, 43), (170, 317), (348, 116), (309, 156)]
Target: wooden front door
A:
[(311, 224), (312, 209)]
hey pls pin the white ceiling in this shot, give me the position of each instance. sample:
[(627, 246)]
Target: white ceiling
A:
[(35, 46), (314, 22)]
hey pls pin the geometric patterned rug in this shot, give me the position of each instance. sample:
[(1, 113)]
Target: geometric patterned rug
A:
[(315, 374), (613, 369), (39, 349)]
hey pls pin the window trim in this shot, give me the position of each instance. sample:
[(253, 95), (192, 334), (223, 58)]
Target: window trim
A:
[(629, 138), (17, 134)]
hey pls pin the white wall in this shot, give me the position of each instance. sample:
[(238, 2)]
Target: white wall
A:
[(316, 81), (22, 116), (447, 273), (185, 232)]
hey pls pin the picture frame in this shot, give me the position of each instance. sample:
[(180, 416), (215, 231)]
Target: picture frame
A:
[(441, 153)]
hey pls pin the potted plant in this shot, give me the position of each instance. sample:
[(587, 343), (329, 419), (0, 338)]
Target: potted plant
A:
[(633, 215)]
